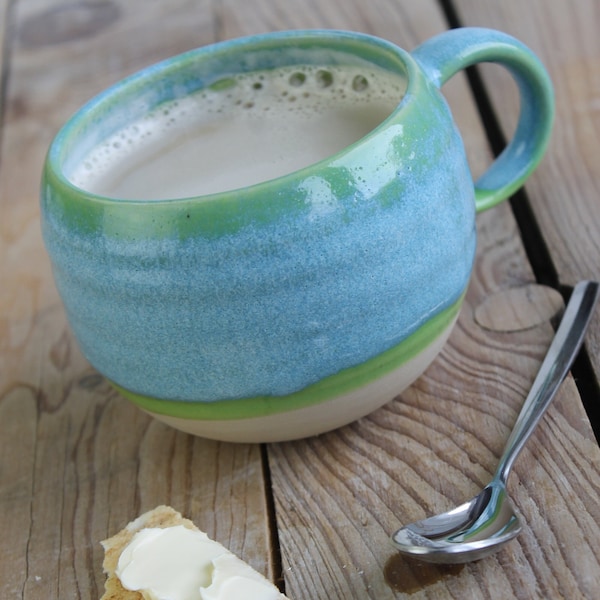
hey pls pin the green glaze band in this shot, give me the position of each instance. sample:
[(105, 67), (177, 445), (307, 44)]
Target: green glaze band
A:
[(335, 385)]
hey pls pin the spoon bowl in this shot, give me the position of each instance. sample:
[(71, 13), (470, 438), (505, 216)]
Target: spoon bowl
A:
[(471, 531), (481, 526)]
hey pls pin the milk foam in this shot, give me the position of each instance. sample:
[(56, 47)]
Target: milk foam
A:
[(241, 131)]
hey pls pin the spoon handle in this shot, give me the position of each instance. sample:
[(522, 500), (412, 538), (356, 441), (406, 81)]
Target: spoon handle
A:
[(556, 365)]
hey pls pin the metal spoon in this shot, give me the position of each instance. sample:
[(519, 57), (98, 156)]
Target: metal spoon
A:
[(479, 527)]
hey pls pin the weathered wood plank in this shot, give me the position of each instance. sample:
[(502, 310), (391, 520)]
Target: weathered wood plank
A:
[(76, 461), (564, 192)]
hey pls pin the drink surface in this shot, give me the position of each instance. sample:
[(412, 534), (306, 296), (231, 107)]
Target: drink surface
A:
[(241, 131)]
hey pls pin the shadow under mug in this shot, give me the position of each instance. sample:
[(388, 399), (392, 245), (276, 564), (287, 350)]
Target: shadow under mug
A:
[(248, 315)]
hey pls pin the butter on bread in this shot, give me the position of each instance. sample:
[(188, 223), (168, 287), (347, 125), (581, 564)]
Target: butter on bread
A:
[(161, 516), (225, 574)]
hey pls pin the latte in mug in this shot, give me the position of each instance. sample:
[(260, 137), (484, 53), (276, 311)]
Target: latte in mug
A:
[(241, 131)]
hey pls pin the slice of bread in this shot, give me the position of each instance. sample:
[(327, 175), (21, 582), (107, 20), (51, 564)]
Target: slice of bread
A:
[(160, 517)]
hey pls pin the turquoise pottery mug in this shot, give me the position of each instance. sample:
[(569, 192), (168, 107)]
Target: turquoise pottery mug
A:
[(254, 314)]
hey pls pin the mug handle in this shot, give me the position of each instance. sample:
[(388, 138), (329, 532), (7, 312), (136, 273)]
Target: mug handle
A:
[(444, 55)]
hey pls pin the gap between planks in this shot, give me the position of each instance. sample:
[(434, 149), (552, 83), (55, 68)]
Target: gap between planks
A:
[(536, 248)]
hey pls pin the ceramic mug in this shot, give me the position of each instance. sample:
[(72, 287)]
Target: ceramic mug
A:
[(251, 315)]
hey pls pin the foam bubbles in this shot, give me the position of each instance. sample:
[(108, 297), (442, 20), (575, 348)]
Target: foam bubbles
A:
[(297, 79), (283, 119)]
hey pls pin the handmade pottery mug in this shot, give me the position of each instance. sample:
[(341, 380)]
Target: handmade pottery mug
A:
[(289, 304)]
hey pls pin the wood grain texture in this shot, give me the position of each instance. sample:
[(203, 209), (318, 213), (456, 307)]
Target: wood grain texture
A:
[(77, 462), (565, 190)]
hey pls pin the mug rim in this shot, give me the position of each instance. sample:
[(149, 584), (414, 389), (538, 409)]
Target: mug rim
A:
[(341, 40)]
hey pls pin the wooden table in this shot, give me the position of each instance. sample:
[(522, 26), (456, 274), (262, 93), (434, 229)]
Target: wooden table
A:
[(77, 462)]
